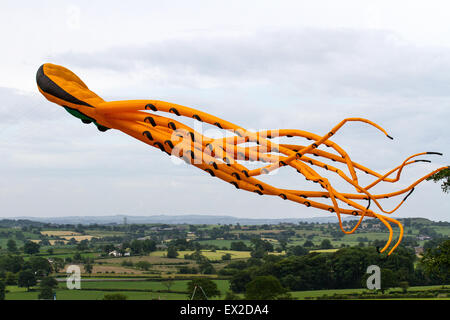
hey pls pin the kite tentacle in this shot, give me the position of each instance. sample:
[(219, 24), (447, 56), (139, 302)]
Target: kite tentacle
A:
[(258, 155), (317, 143)]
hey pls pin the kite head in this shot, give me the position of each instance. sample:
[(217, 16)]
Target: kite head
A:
[(63, 87)]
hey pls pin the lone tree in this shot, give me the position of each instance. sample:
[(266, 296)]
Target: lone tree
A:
[(326, 244), (26, 279), (31, 247), (172, 252), (264, 288), (88, 267), (46, 293), (11, 246), (443, 175), (168, 283), (202, 289)]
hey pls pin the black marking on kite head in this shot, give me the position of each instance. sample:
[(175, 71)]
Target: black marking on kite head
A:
[(47, 85)]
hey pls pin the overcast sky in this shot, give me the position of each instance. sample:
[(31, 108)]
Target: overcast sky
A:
[(260, 64)]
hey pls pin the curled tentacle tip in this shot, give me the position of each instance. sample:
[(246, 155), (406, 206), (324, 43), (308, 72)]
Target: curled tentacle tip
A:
[(432, 152), (389, 137)]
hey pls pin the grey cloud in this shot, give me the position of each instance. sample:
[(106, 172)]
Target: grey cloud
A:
[(338, 62)]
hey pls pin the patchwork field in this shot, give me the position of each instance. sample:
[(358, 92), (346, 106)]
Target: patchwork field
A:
[(217, 255), (59, 233)]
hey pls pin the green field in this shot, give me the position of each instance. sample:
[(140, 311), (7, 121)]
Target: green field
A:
[(223, 243), (301, 295), (178, 289), (62, 294), (217, 255), (16, 293), (178, 285)]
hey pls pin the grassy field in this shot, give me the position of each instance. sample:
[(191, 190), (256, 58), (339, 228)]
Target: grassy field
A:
[(16, 293), (62, 293), (178, 285), (301, 295)]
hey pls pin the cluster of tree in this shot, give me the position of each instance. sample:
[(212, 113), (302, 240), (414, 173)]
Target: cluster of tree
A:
[(239, 246), (202, 289), (345, 268), (29, 247), (260, 247), (204, 264), (47, 286), (187, 270), (142, 265), (137, 247), (14, 270)]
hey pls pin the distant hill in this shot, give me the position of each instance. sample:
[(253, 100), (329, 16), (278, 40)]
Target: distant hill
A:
[(179, 219)]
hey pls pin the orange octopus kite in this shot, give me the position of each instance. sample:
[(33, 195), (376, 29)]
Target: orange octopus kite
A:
[(219, 157)]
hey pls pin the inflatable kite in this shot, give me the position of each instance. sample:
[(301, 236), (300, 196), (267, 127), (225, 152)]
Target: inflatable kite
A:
[(141, 119)]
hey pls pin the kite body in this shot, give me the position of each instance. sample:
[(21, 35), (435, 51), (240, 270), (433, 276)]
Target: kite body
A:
[(141, 119)]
